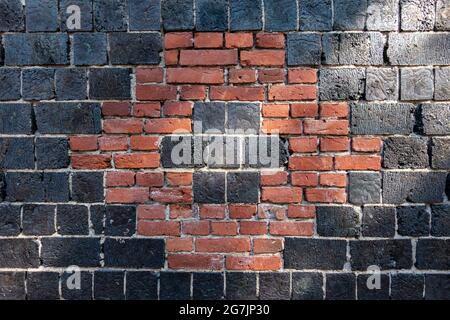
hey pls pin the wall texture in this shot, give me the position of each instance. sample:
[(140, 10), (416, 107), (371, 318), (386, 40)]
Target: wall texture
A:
[(358, 91)]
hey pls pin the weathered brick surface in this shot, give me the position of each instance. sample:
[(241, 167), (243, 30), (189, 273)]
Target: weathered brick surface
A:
[(357, 90)]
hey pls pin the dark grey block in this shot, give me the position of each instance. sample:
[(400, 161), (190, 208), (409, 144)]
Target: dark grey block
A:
[(378, 221), (19, 253), (11, 15), (16, 153), (177, 14), (243, 117), (209, 187), (315, 15), (9, 220), (303, 49), (245, 15), (349, 14), (90, 49), (209, 117), (337, 221), (274, 286), (68, 251), (52, 153), (413, 221), (87, 186), (406, 286), (110, 84), (42, 15), (15, 118), (440, 220), (436, 119), (134, 253), (280, 15), (109, 285), (211, 15), (340, 286), (110, 15), (433, 254), (307, 286), (38, 84), (72, 220), (38, 220), (135, 48), (367, 287), (144, 15), (364, 187), (243, 187), (9, 83), (141, 285), (208, 286), (71, 84), (175, 286), (12, 286), (342, 83), (43, 286)]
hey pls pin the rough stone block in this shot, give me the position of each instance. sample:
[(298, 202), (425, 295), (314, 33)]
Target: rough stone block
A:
[(240, 286), (85, 291), (382, 15), (38, 220), (109, 285), (437, 286), (440, 220), (177, 14), (71, 84), (9, 220), (16, 153), (72, 220), (19, 253), (433, 254), (435, 119), (43, 285), (303, 49), (417, 15), (378, 221), (175, 286), (274, 286), (280, 15), (243, 117), (442, 82), (52, 153), (135, 48), (87, 187), (12, 286), (15, 118), (243, 187), (38, 84), (417, 84), (407, 286), (366, 293), (209, 187), (307, 286), (413, 221), (141, 285), (350, 14), (110, 15), (342, 83), (382, 84), (315, 15), (334, 221), (207, 286), (386, 254), (405, 152), (245, 15), (41, 15), (209, 117), (442, 14), (134, 253), (64, 252), (110, 84), (89, 49), (340, 286), (11, 15), (211, 15), (144, 15), (9, 84), (364, 187)]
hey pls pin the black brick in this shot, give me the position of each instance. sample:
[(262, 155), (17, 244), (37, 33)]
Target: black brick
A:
[(184, 149), (243, 187), (222, 151), (118, 220), (340, 286), (9, 220), (36, 49), (337, 221), (9, 83), (245, 15), (144, 14), (110, 15), (211, 15), (135, 48), (243, 118), (386, 254), (405, 286), (211, 117), (39, 187), (175, 286), (16, 153), (209, 187), (433, 254), (440, 220), (41, 15), (177, 14), (241, 286), (89, 49), (15, 118), (374, 292), (71, 84), (65, 252), (110, 84), (109, 285), (19, 253), (66, 117), (43, 285), (141, 285), (208, 286), (69, 292), (52, 153), (274, 286), (378, 221), (134, 253), (87, 186), (38, 219), (97, 217), (405, 152), (12, 286), (280, 15), (259, 151), (38, 84), (437, 286), (86, 14), (72, 220), (413, 221), (307, 286), (314, 254), (11, 16)]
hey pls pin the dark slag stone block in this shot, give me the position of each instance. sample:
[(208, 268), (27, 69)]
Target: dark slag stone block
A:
[(364, 187), (12, 286), (15, 118), (413, 221), (437, 286), (245, 15), (9, 83), (372, 293), (135, 48), (315, 15), (307, 286), (350, 14), (71, 84), (240, 286), (274, 286), (440, 220), (337, 221), (209, 187), (405, 152), (208, 286), (211, 15), (144, 15), (280, 15), (89, 49), (340, 286), (175, 286), (41, 15), (16, 153), (11, 15), (405, 286), (43, 285), (210, 116), (38, 84), (9, 220), (141, 285), (65, 252), (433, 254), (134, 253), (72, 220), (87, 187), (110, 15), (177, 14), (386, 254), (110, 84), (19, 253), (243, 187), (120, 220), (243, 117), (378, 221), (109, 285), (52, 153), (38, 220), (303, 49)]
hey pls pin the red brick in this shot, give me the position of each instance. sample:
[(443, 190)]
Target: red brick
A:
[(358, 162), (195, 261), (127, 195), (196, 228), (271, 75), (330, 144), (237, 93), (222, 245), (292, 92), (238, 76), (158, 228), (303, 144), (150, 179), (119, 179), (326, 195), (208, 57), (136, 160), (282, 126), (178, 108), (171, 195), (149, 110), (151, 212), (212, 211), (173, 40), (270, 40), (319, 163), (274, 178), (334, 127), (171, 57), (304, 179), (266, 211), (302, 75), (179, 178), (148, 75), (304, 110), (267, 245), (296, 211), (179, 244), (168, 125), (195, 75), (255, 263), (224, 228), (275, 110), (239, 40), (333, 179), (83, 143), (118, 109), (192, 92), (208, 40), (91, 161), (180, 211), (334, 109), (252, 227), (113, 143), (122, 126), (264, 58), (144, 143), (156, 92), (362, 144), (281, 194), (242, 211), (291, 228)]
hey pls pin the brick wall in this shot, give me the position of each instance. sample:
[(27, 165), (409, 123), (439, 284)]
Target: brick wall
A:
[(354, 94)]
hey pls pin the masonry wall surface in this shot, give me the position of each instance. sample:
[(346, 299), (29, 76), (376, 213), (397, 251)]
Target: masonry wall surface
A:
[(356, 94)]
